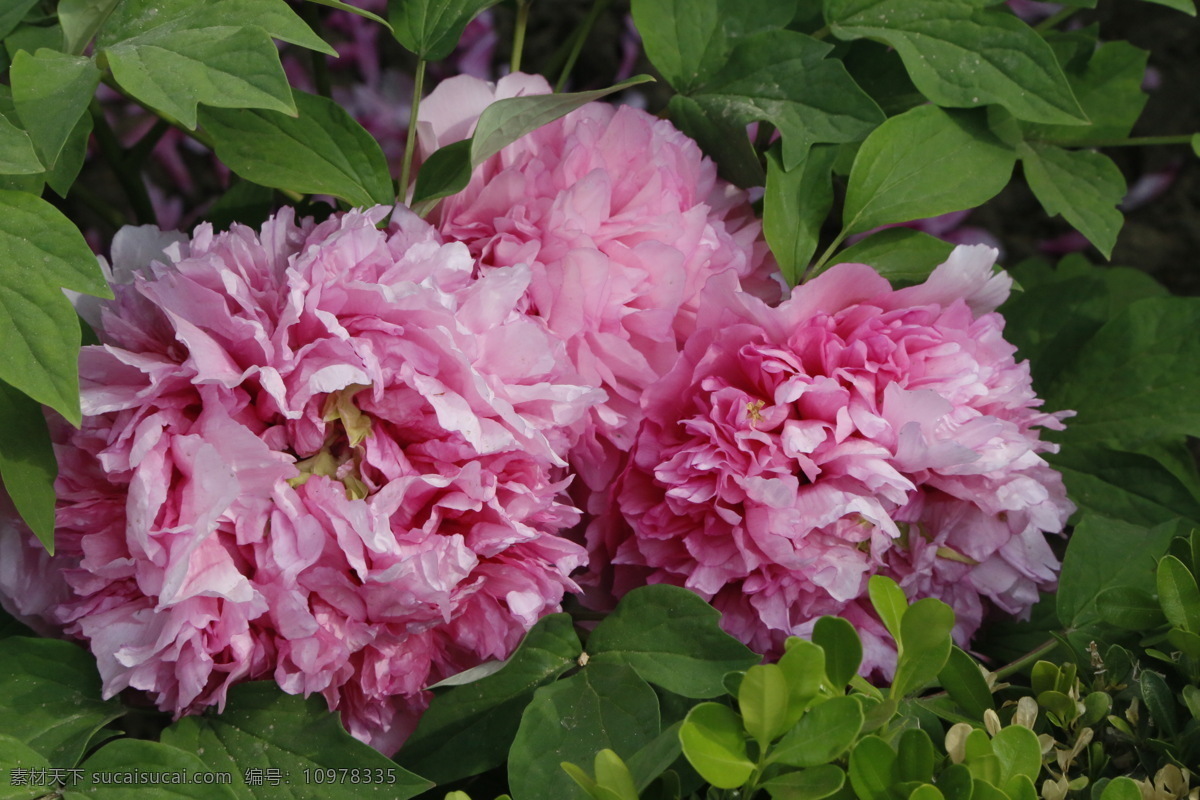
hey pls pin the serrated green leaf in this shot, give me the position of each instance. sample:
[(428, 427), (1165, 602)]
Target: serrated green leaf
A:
[(432, 28), (225, 67), (1129, 608), (321, 151), (263, 728), (794, 207), (12, 13), (806, 784), (715, 746), (128, 755), (81, 20), (924, 645), (671, 638), (922, 163), (784, 78), (27, 464), (1178, 594), (17, 156), (963, 55), (873, 769), (902, 255), (51, 92), (963, 679), (1082, 185), (688, 40), (467, 729), (889, 602), (1109, 89), (763, 701), (843, 649), (50, 697), (602, 706), (42, 252), (824, 732)]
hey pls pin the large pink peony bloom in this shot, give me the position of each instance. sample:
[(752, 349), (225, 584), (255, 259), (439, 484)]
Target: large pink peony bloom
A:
[(795, 451), (325, 453), (622, 221)]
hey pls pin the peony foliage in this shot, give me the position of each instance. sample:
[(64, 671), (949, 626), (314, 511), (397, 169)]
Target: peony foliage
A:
[(588, 400)]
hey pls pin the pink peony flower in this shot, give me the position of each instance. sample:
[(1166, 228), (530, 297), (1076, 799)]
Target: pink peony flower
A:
[(621, 219), (793, 452), (324, 453)]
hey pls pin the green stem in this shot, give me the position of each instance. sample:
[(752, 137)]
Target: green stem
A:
[(1050, 22), (519, 34), (815, 270), (579, 39), (128, 176), (411, 141), (1024, 661), (1137, 141)]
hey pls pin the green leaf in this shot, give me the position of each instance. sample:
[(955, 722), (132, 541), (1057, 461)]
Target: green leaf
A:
[(925, 162), (1102, 553), (1109, 89), (962, 55), (51, 91), (127, 755), (889, 602), (1160, 702), (803, 666), (322, 151), (17, 156), (843, 649), (924, 645), (135, 18), (723, 141), (1121, 788), (81, 20), (603, 706), (1019, 752), (70, 160), (447, 171), (1196, 143), (784, 78), (1133, 381), (27, 464), (795, 205), (226, 67), (362, 12), (806, 784), (467, 729), (916, 756), (1131, 487), (763, 700), (1186, 6), (715, 746), (263, 728), (955, 782), (821, 735), (873, 769), (655, 758), (1129, 608), (902, 255), (41, 252), (1178, 594), (432, 28), (12, 13), (926, 791), (16, 755), (963, 679), (612, 774), (688, 40), (50, 697), (1082, 185), (672, 638)]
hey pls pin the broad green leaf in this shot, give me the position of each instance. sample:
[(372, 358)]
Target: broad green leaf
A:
[(803, 666), (32, 38), (1185, 642), (1103, 553), (16, 755), (432, 28), (602, 706), (225, 67), (136, 18), (821, 735), (126, 755), (806, 784), (1109, 89), (794, 207), (70, 160), (51, 91), (915, 757), (963, 679), (927, 791), (763, 700), (27, 464), (81, 20), (362, 12), (613, 774), (468, 729), (263, 728), (1082, 185), (1178, 594), (1135, 379), (1019, 752), (1129, 608), (321, 151), (17, 156), (955, 782), (12, 13), (1121, 788), (657, 757), (925, 162), (962, 55), (671, 638), (843, 649), (447, 171), (902, 255), (715, 746), (1160, 702), (50, 697), (1131, 487), (1186, 6), (784, 78), (42, 252), (873, 769), (889, 602), (724, 142), (688, 40), (924, 645)]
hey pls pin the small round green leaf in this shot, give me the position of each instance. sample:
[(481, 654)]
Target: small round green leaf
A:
[(843, 649), (715, 745)]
